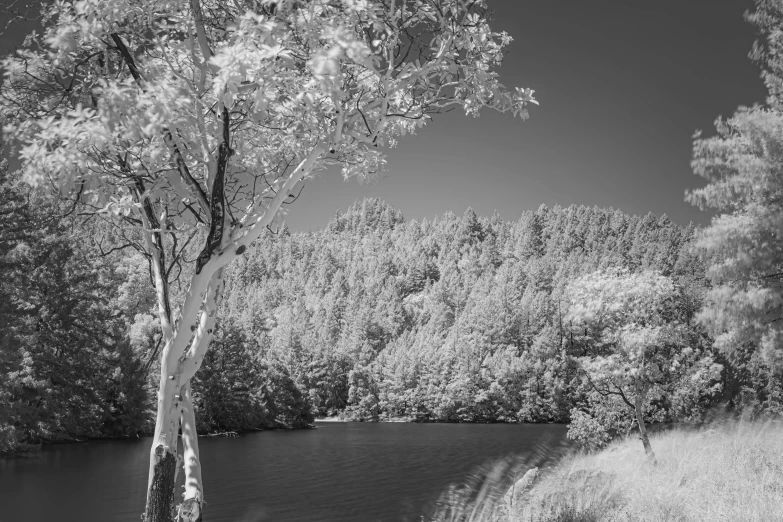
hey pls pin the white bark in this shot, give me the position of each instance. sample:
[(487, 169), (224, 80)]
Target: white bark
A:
[(205, 331), (172, 381), (190, 510), (179, 364), (193, 484)]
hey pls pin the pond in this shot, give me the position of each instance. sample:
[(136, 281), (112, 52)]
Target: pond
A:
[(344, 472)]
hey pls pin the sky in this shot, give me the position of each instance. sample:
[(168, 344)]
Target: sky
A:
[(622, 85)]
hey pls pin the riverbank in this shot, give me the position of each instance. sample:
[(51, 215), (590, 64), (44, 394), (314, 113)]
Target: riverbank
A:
[(729, 471), (339, 418), (23, 448)]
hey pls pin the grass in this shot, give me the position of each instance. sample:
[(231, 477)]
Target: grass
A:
[(725, 472)]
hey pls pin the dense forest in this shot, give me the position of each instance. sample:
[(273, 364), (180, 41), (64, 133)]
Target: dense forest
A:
[(457, 319), (78, 348)]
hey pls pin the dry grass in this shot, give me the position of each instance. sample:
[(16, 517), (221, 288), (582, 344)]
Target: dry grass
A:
[(728, 472)]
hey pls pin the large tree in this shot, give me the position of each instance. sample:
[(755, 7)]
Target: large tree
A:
[(182, 121), (743, 164)]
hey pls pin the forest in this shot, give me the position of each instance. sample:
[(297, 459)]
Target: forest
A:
[(150, 285), (458, 319)]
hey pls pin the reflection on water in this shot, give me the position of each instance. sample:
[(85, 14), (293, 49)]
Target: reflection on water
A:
[(339, 472)]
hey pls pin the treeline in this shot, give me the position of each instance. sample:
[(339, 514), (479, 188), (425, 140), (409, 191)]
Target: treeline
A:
[(458, 319), (462, 318), (67, 368), (78, 346)]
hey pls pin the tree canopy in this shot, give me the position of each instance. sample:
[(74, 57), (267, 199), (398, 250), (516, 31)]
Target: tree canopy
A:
[(639, 347), (742, 163), (191, 123)]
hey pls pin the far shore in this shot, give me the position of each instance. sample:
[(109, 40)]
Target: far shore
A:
[(338, 419)]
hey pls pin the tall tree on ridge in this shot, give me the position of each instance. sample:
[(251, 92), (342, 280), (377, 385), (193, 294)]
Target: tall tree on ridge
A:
[(743, 164), (188, 121)]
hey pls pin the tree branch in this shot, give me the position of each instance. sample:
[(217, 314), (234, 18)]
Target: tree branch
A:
[(218, 204), (168, 138), (157, 253)]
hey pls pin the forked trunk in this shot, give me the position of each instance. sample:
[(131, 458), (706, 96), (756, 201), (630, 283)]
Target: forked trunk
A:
[(161, 497), (186, 345), (175, 411), (180, 360)]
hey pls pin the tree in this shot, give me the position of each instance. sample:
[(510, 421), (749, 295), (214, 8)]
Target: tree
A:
[(744, 307), (181, 122), (639, 349), (67, 370)]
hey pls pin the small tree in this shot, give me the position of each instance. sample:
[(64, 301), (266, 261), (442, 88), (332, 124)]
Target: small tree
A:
[(187, 121), (638, 351)]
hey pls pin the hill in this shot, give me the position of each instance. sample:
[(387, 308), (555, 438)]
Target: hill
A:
[(454, 319)]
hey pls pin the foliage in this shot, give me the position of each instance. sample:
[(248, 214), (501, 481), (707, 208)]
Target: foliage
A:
[(587, 429), (192, 122), (457, 319), (640, 351), (742, 163), (66, 369), (744, 304), (236, 390)]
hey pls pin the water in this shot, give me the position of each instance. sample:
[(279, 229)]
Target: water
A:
[(339, 472)]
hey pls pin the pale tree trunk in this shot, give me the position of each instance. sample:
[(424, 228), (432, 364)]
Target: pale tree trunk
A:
[(182, 357), (639, 410), (175, 411), (194, 489)]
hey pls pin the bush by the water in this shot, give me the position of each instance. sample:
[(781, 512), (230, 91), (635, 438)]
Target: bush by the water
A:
[(729, 471)]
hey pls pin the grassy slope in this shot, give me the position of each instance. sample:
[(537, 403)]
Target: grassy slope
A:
[(730, 472)]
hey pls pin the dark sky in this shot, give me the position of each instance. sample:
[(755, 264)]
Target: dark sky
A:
[(623, 85)]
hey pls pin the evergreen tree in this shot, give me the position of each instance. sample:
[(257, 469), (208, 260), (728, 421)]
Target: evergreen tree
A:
[(742, 163)]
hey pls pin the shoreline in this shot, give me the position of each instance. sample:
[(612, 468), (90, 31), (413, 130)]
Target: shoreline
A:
[(725, 470), (34, 448)]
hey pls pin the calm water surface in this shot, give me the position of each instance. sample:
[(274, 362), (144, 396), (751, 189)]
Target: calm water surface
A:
[(336, 473)]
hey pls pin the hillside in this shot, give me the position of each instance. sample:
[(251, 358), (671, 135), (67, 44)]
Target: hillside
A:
[(454, 319)]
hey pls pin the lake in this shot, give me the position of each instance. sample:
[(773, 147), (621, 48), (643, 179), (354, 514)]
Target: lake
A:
[(344, 472)]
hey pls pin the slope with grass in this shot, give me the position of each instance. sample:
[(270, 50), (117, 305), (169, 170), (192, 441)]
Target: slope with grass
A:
[(729, 471)]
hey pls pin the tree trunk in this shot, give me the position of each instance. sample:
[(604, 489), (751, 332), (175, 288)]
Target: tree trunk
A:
[(160, 498), (175, 411), (163, 455), (638, 408), (182, 357), (190, 509)]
